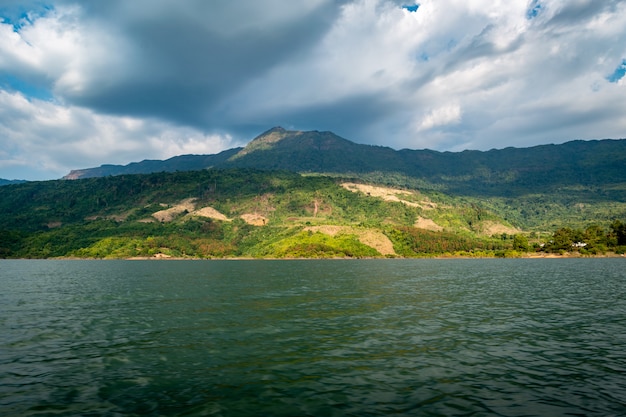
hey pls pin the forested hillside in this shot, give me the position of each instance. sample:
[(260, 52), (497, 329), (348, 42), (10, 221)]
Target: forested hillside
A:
[(314, 194), (595, 169), (252, 213)]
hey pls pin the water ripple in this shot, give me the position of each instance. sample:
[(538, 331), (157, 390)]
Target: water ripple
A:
[(316, 338)]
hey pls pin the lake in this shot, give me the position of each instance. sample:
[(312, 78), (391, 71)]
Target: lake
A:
[(463, 337)]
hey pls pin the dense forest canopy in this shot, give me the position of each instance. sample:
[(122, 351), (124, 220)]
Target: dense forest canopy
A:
[(254, 213), (595, 169)]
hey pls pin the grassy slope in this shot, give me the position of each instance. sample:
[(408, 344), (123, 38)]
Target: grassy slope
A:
[(539, 188), (535, 189), (107, 217)]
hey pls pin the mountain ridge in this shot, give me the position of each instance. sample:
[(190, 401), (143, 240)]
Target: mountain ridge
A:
[(498, 172), (315, 194), (4, 181), (147, 166)]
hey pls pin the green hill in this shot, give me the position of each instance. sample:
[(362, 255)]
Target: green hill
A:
[(537, 188), (236, 213), (251, 213), (314, 194), (599, 166)]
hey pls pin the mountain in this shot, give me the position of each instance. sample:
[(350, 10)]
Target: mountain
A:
[(177, 163), (7, 182), (315, 194), (276, 149), (497, 172), (279, 214)]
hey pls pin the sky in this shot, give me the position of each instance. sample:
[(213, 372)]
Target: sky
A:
[(85, 83)]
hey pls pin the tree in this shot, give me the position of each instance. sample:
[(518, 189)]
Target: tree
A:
[(618, 230), (562, 239), (594, 234), (520, 243)]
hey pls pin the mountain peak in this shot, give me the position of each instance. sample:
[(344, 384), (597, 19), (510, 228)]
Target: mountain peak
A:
[(275, 129), (267, 140), (275, 134)]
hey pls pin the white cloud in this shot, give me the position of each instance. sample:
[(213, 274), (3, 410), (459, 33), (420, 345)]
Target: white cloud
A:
[(62, 51), (442, 116), (48, 139)]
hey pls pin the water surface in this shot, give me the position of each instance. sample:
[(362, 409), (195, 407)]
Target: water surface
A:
[(320, 338)]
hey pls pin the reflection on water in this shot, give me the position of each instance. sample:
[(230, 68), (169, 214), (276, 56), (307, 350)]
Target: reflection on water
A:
[(320, 338)]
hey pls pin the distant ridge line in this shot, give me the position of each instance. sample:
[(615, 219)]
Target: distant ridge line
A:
[(507, 171)]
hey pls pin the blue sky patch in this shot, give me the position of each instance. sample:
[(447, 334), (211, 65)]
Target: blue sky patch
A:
[(10, 82), (411, 8), (19, 17), (619, 73), (534, 10)]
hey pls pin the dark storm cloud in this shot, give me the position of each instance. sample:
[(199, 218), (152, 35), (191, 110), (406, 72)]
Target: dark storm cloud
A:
[(186, 58)]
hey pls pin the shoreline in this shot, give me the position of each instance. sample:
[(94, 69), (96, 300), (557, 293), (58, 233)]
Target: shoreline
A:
[(163, 257)]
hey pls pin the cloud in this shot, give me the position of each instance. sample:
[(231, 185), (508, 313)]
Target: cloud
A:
[(43, 139), (442, 116), (178, 61), (438, 74)]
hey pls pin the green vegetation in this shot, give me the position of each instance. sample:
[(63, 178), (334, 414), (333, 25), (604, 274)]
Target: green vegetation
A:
[(536, 190), (593, 240), (278, 214), (410, 241), (587, 170), (308, 244)]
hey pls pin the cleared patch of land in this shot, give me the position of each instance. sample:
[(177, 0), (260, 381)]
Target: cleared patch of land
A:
[(254, 219), (490, 228), (427, 224), (210, 213), (390, 194), (188, 207), (167, 215)]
